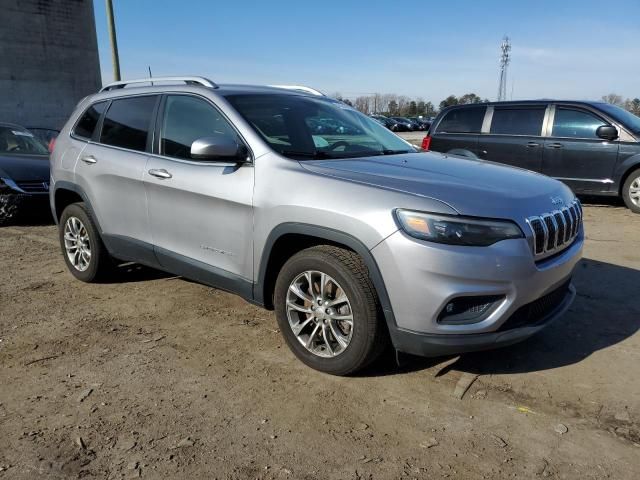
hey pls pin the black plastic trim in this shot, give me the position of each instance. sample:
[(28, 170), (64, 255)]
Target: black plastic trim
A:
[(204, 273), (329, 234)]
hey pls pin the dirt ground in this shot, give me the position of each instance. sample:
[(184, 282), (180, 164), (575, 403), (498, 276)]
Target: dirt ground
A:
[(153, 376)]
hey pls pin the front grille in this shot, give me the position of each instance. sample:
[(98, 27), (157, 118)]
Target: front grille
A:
[(554, 231), (538, 310), (33, 187)]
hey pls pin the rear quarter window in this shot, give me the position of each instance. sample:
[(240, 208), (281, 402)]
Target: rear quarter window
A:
[(462, 120), (89, 120)]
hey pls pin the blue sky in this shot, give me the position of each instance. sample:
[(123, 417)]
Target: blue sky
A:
[(569, 49)]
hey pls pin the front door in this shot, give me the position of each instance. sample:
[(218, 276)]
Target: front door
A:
[(200, 212), (574, 153)]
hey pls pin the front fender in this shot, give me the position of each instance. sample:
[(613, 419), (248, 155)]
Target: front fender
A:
[(331, 235)]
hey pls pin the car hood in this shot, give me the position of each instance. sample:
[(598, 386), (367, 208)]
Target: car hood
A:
[(471, 187), (21, 168)]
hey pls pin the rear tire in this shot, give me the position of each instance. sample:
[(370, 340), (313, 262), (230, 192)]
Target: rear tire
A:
[(343, 329), (84, 253), (631, 191)]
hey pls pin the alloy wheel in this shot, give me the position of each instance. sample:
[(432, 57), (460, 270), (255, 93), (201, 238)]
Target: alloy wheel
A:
[(77, 244), (634, 191), (319, 313)]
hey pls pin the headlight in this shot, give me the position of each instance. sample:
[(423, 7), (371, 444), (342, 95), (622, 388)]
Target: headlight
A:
[(455, 229)]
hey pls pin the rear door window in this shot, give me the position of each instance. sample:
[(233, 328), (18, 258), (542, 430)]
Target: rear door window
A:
[(571, 123), (462, 120), (517, 121), (89, 120), (127, 122)]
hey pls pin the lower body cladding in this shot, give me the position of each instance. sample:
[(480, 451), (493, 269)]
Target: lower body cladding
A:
[(453, 299)]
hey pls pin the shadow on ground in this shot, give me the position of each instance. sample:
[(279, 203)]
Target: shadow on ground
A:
[(602, 315)]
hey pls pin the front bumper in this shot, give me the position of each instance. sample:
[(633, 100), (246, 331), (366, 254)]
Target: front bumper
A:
[(427, 345), (421, 278)]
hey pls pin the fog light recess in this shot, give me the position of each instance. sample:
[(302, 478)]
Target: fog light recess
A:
[(466, 310)]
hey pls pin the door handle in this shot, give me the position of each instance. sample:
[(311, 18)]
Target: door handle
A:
[(533, 144), (160, 173), (554, 145), (89, 159)]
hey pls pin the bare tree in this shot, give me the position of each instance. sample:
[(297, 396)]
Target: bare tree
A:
[(613, 99)]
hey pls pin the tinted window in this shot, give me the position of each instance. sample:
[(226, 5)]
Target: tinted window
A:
[(517, 121), (89, 120), (16, 140), (462, 120), (127, 122), (575, 124), (187, 119), (305, 127), (628, 119)]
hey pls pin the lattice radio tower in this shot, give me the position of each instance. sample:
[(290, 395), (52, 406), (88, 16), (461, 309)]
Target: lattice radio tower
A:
[(505, 58)]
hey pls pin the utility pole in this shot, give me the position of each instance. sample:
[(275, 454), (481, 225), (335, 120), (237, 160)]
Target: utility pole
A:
[(505, 58), (115, 59)]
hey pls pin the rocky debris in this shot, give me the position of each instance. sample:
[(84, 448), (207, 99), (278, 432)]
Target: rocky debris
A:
[(623, 416), (84, 394), (80, 443), (561, 428), (623, 431), (499, 441), (465, 381), (185, 442), (127, 444), (432, 442), (540, 467), (361, 426)]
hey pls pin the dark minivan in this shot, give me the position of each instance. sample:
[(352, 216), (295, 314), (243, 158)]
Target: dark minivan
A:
[(593, 147)]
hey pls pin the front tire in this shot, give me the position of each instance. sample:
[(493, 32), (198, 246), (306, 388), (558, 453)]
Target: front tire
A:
[(328, 310), (84, 253), (631, 191)]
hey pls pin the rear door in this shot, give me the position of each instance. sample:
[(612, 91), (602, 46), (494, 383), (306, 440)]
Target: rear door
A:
[(514, 136), (574, 153), (200, 212), (458, 131), (111, 166)]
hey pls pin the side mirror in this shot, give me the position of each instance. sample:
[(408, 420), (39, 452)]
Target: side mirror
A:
[(607, 132), (218, 148)]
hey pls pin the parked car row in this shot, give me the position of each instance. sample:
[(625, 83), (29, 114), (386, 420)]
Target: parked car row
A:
[(403, 124), (593, 147)]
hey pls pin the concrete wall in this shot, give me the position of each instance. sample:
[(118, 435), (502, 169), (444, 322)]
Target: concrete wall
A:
[(48, 60)]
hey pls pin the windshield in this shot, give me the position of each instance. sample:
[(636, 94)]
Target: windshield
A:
[(623, 116), (18, 140), (303, 127)]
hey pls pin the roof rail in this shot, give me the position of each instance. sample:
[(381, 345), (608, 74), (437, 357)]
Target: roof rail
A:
[(301, 88), (205, 82)]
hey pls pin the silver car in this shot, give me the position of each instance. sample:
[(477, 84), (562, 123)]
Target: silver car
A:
[(354, 238)]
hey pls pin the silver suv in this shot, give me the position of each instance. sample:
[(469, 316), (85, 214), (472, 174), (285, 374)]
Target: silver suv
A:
[(301, 204)]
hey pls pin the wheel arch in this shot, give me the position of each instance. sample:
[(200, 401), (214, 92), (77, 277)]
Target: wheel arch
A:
[(287, 239), (631, 165), (65, 194)]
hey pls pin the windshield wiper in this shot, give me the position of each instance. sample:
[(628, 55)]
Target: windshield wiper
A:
[(317, 154), (394, 152)]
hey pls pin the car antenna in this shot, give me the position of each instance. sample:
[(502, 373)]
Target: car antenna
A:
[(150, 76)]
